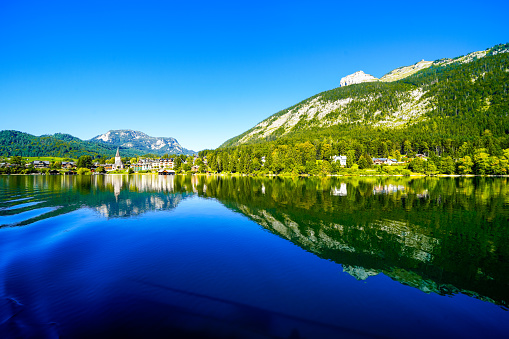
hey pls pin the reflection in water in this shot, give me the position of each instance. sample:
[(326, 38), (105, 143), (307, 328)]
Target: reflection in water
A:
[(341, 191), (387, 189), (446, 236), (111, 195)]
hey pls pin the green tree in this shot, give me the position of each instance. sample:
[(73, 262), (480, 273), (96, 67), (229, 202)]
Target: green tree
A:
[(448, 165), (396, 155), (83, 171), (424, 148), (293, 159), (407, 147), (85, 161), (17, 160), (256, 164), (506, 153), (465, 149), (431, 168), (465, 165), (56, 165), (326, 168), (213, 162), (385, 150), (268, 158), (365, 161), (326, 151), (278, 163), (177, 164), (350, 158), (417, 165), (481, 162)]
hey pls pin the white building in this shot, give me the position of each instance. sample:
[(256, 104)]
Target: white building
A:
[(118, 162), (340, 158), (153, 164)]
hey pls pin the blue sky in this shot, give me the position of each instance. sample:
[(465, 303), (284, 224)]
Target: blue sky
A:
[(203, 72)]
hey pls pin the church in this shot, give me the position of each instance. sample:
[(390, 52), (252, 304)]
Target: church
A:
[(118, 162)]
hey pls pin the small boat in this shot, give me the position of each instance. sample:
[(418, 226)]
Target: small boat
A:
[(166, 172)]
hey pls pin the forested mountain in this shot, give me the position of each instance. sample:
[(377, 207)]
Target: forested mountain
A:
[(141, 142), (57, 145), (435, 106), (131, 144)]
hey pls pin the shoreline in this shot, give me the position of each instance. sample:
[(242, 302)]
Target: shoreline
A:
[(420, 175)]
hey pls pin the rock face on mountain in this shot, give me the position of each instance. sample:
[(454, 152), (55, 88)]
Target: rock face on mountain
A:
[(405, 71), (142, 142), (394, 75), (356, 78)]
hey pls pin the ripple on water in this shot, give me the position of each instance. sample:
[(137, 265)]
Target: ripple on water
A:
[(11, 220), (18, 206), (16, 200)]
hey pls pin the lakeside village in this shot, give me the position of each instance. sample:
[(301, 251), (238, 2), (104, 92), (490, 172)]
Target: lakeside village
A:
[(282, 161), (191, 164), (85, 165)]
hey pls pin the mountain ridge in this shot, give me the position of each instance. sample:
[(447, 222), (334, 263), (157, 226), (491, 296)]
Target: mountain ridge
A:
[(403, 97), (140, 141), (66, 145)]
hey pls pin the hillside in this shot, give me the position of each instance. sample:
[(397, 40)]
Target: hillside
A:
[(141, 142), (57, 145), (68, 146), (456, 99)]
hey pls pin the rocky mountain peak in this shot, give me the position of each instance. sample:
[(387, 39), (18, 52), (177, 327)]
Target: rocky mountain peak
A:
[(140, 141), (356, 78)]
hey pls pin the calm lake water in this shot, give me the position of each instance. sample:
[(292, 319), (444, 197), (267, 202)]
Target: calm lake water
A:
[(151, 256)]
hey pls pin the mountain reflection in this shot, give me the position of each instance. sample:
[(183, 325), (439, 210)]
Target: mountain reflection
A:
[(111, 196), (447, 235)]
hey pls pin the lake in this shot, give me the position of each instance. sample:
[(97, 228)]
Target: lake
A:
[(147, 256)]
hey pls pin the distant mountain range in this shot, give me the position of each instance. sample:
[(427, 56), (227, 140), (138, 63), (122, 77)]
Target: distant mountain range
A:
[(456, 98), (142, 142), (131, 143)]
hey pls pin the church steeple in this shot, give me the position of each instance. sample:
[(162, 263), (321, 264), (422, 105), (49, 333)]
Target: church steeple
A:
[(118, 161)]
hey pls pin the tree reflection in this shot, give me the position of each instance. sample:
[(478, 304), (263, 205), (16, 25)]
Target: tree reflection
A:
[(442, 235)]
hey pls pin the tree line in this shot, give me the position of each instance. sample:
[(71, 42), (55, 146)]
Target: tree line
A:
[(486, 156)]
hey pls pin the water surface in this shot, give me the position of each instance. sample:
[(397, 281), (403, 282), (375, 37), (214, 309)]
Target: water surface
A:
[(216, 257)]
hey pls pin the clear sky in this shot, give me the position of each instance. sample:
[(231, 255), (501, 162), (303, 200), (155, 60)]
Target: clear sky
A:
[(205, 71)]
